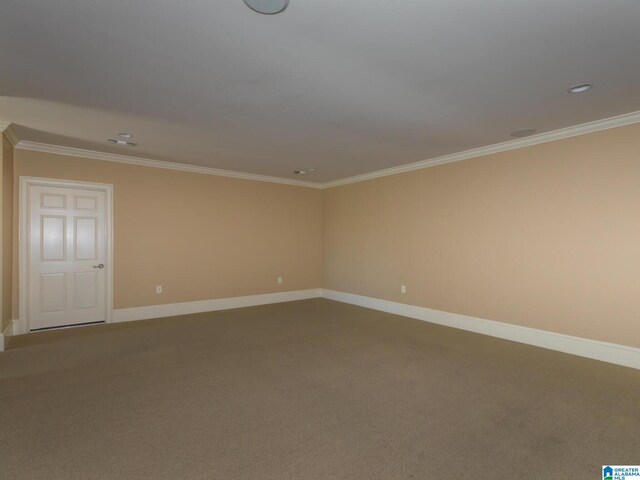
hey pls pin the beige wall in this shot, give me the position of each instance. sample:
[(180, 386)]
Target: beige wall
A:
[(546, 237), (6, 197), (199, 236)]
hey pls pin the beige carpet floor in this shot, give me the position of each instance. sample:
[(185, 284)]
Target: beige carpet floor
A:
[(306, 390)]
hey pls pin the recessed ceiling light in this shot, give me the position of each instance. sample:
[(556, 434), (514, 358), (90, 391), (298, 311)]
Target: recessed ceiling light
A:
[(583, 87), (267, 7), (123, 143), (524, 132), (125, 135)]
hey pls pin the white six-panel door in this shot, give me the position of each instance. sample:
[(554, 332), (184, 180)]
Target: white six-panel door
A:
[(67, 256)]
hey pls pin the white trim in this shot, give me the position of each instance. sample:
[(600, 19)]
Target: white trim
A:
[(11, 135), (19, 326), (10, 331), (146, 162), (582, 347), (4, 126), (23, 240), (173, 309), (5, 335), (604, 124), (607, 123)]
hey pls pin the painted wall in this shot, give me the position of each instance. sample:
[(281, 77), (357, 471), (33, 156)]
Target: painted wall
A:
[(546, 237), (6, 197), (199, 236)]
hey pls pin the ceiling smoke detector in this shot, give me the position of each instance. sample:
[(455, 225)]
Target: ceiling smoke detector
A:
[(267, 7), (583, 87), (123, 143)]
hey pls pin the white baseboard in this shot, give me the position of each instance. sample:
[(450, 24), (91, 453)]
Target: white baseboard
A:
[(172, 309), (603, 351), (4, 336), (583, 347), (19, 326)]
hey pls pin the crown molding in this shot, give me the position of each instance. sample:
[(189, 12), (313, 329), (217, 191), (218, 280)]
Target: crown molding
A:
[(591, 127), (607, 123), (145, 162), (9, 132), (11, 135)]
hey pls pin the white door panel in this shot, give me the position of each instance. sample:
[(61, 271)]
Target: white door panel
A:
[(67, 256), (52, 238), (53, 293)]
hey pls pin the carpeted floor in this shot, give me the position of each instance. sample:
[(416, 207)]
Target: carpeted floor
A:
[(306, 390)]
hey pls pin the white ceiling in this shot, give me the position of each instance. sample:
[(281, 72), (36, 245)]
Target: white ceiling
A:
[(347, 87)]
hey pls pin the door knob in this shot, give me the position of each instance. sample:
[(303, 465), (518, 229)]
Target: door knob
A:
[(100, 265)]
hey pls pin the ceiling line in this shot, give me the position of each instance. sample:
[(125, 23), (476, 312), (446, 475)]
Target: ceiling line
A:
[(582, 129), (146, 162)]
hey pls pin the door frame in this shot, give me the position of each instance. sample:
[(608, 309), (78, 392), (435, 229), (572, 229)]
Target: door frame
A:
[(24, 188)]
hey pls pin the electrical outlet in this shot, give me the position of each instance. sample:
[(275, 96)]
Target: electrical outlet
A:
[(159, 289), (403, 289), (279, 279)]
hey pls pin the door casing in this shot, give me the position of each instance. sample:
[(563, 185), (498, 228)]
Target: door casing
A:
[(25, 184)]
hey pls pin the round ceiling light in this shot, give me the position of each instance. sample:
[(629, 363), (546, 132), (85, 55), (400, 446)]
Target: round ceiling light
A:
[(583, 87), (267, 7)]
